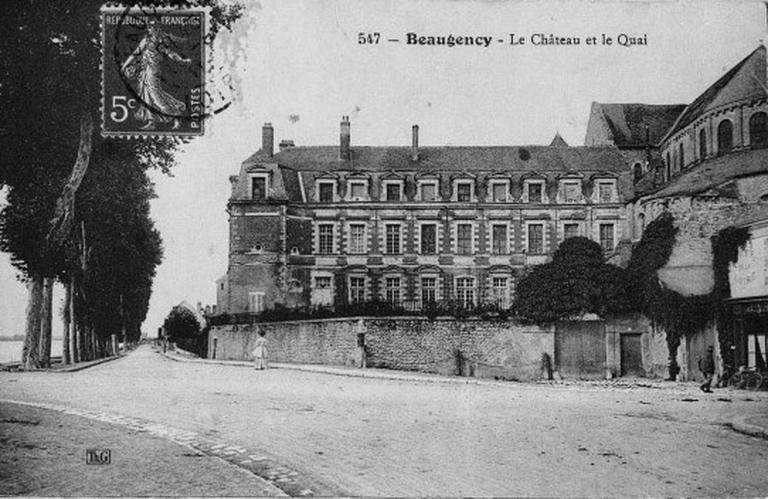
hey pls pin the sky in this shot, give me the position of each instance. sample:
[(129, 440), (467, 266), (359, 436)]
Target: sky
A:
[(299, 65)]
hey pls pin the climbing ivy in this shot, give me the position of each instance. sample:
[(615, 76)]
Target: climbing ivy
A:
[(725, 250), (680, 315)]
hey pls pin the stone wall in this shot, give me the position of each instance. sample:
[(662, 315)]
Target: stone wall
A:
[(494, 349)]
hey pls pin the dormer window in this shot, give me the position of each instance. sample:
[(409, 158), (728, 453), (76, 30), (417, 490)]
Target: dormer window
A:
[(393, 190), (358, 190), (326, 191), (428, 190), (533, 191), (259, 186), (499, 191), (606, 191), (571, 191), (462, 190)]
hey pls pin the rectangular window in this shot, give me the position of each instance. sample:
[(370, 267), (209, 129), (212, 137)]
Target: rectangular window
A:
[(325, 239), (393, 192), (535, 193), (605, 192), (258, 188), (499, 192), (323, 282), (756, 345), (500, 291), (357, 242), (326, 192), (392, 232), (570, 230), (358, 190), (499, 243), (465, 291), (536, 238), (464, 239), (255, 302), (429, 192), (428, 239), (356, 289), (606, 237), (571, 192), (464, 192), (428, 290), (392, 290)]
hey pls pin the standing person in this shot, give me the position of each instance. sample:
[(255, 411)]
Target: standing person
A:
[(707, 368), (260, 352)]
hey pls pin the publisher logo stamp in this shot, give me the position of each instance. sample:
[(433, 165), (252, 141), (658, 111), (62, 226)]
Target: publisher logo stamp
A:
[(98, 456), (153, 71)]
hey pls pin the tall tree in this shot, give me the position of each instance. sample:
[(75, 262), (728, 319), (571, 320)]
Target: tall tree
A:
[(575, 282), (49, 95)]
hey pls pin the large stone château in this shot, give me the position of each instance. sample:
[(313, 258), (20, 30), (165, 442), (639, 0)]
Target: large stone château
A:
[(408, 225)]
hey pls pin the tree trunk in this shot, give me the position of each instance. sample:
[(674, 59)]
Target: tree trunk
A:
[(92, 343), (30, 354), (46, 316), (67, 320), (64, 213)]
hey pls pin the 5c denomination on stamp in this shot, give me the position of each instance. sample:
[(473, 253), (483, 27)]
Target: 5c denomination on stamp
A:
[(153, 71)]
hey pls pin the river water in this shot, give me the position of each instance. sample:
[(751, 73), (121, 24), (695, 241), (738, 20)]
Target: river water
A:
[(10, 351)]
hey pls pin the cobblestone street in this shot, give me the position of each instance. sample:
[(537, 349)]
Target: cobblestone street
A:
[(312, 433)]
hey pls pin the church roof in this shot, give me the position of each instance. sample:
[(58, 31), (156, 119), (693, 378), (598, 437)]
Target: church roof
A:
[(712, 174), (746, 80), (558, 141), (630, 124)]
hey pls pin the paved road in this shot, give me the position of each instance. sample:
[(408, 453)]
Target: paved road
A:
[(387, 437)]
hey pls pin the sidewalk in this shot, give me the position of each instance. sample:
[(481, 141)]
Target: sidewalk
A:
[(59, 367), (43, 453), (755, 425)]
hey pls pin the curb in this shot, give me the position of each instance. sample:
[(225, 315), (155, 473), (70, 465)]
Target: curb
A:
[(362, 373), (740, 425), (372, 373), (79, 367), (66, 368)]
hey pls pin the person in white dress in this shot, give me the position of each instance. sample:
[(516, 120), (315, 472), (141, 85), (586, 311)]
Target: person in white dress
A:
[(260, 353)]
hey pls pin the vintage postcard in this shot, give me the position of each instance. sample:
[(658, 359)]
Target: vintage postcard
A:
[(384, 248)]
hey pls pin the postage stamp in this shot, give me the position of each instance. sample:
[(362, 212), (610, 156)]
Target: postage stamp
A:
[(153, 71)]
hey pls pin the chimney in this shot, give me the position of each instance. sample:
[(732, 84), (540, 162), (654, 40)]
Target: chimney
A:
[(268, 139), (415, 143), (344, 152), (285, 144)]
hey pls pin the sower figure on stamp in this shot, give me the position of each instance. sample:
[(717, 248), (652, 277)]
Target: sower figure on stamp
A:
[(146, 65), (260, 352), (707, 368)]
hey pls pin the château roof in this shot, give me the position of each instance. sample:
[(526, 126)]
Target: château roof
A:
[(630, 125), (467, 158), (746, 80)]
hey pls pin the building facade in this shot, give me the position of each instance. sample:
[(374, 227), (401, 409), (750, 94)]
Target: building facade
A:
[(713, 174), (333, 225)]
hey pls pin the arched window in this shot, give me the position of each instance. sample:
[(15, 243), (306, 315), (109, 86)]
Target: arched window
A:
[(702, 143), (724, 136), (637, 171), (669, 166), (758, 130), (682, 156)]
